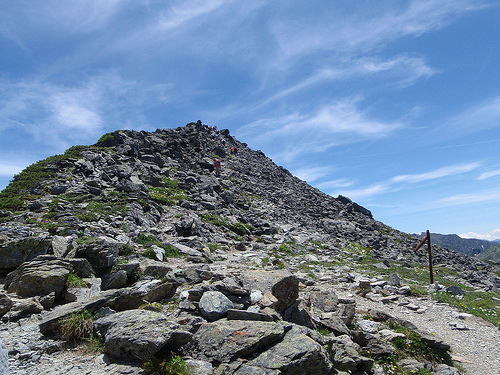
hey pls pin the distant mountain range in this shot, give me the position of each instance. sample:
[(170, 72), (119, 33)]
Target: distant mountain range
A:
[(482, 249)]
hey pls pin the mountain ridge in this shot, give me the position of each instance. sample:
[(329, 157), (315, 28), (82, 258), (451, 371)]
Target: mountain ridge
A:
[(146, 222)]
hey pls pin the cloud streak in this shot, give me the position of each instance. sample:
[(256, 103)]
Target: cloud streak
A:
[(404, 181)]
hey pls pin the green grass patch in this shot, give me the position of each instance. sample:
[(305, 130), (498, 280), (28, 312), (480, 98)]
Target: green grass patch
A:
[(148, 240), (168, 365), (78, 326), (480, 304), (410, 346), (170, 193), (75, 281), (19, 190)]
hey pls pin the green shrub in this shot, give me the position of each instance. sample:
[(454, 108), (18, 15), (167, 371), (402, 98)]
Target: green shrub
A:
[(284, 248), (171, 365), (19, 189), (149, 253), (75, 282)]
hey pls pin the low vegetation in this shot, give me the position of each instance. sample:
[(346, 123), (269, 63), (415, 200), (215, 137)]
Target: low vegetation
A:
[(171, 364)]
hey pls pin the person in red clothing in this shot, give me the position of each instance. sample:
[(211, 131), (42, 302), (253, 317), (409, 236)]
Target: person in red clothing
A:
[(217, 167)]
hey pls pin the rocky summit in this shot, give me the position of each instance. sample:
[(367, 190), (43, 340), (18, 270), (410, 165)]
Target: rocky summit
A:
[(140, 253)]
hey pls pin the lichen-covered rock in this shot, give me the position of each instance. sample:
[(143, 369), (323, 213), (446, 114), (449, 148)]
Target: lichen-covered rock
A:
[(137, 335), (226, 341), (297, 354), (18, 245), (43, 275), (214, 305)]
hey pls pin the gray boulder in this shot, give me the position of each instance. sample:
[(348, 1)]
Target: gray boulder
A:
[(137, 335), (43, 275), (117, 299), (5, 304), (226, 341), (23, 308), (15, 250), (297, 354), (214, 305), (281, 283)]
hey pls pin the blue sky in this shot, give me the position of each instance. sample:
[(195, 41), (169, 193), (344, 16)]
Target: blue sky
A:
[(393, 104)]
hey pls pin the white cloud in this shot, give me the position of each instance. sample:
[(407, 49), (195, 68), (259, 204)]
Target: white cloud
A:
[(328, 126), (313, 173), (335, 184), (459, 199), (396, 183), (8, 170), (489, 174), (362, 193), (368, 30), (437, 173), (490, 236), (404, 70)]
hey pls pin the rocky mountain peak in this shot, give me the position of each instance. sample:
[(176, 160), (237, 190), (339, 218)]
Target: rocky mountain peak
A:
[(143, 217)]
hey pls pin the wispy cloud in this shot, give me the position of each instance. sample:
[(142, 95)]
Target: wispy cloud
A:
[(405, 70), (489, 174), (404, 181), (59, 114), (8, 170), (481, 117), (460, 199), (313, 173), (365, 31), (328, 126), (437, 173)]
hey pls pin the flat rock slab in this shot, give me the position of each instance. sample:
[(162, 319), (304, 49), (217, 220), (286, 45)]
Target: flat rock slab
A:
[(137, 335), (225, 341)]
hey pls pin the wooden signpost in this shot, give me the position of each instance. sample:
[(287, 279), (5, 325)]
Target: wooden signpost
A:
[(428, 240)]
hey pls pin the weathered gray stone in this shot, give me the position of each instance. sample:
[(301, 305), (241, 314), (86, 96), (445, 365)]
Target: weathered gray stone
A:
[(41, 276), (150, 267), (5, 304), (394, 280), (225, 341), (4, 360), (197, 367), (297, 354), (298, 313), (233, 314), (23, 308), (214, 305), (114, 280), (16, 250), (326, 301), (81, 267), (62, 245), (137, 335)]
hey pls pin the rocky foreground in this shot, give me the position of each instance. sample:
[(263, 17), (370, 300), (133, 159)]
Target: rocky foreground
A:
[(249, 272)]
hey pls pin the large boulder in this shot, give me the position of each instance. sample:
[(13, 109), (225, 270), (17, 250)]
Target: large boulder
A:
[(117, 299), (19, 246), (297, 354), (226, 341), (281, 283), (43, 275), (214, 305), (138, 335)]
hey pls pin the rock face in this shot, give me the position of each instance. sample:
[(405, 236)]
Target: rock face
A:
[(41, 276), (137, 335), (236, 272)]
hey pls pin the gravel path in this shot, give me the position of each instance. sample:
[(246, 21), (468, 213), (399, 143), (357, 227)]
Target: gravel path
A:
[(475, 343)]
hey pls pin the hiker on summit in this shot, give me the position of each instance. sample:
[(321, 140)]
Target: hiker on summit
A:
[(217, 167)]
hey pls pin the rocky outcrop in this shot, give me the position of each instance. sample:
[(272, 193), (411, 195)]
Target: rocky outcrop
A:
[(237, 272)]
